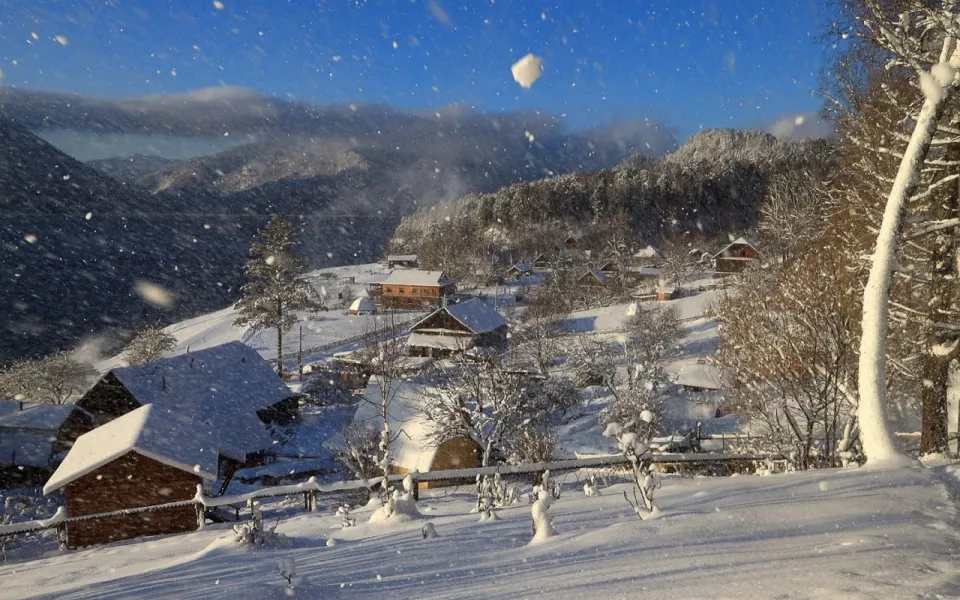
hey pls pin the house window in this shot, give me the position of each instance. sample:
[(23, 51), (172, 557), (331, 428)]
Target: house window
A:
[(399, 290)]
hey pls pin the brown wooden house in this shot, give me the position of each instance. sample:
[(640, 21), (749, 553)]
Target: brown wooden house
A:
[(457, 328), (571, 243), (403, 261), (593, 278), (149, 456), (412, 288), (735, 257)]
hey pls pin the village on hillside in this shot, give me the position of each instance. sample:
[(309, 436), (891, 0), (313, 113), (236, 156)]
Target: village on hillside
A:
[(217, 413)]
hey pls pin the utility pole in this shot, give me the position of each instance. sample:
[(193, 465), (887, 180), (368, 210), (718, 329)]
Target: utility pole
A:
[(300, 357)]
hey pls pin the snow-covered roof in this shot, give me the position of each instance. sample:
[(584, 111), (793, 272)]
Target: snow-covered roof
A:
[(26, 449), (417, 277), (474, 314), (363, 304), (25, 415), (402, 258), (410, 450), (596, 273), (699, 375), (648, 252), (442, 342), (740, 241), (646, 271), (521, 267), (226, 379), (152, 431)]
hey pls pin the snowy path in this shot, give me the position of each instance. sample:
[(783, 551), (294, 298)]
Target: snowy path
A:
[(828, 534)]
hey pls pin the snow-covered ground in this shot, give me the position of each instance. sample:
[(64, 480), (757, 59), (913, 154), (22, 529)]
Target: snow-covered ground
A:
[(855, 533)]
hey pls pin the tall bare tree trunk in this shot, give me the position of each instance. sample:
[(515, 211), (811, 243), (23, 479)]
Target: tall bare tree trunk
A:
[(279, 340), (878, 443)]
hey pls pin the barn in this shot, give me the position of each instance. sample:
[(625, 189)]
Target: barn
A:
[(228, 387), (411, 449), (147, 457), (27, 435), (735, 257), (458, 327), (647, 257)]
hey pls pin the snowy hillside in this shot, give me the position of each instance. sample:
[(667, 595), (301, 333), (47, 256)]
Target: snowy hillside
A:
[(824, 534)]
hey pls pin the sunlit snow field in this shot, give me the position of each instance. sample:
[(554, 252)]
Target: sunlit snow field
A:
[(830, 534)]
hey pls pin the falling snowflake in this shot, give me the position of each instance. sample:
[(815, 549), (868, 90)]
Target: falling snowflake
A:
[(527, 70)]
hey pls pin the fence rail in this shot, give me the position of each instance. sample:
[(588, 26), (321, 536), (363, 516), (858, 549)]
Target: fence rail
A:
[(311, 488)]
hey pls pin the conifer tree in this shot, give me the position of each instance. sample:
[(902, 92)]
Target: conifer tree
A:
[(275, 288)]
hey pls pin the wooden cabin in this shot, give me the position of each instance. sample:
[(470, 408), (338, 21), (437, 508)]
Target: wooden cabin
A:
[(27, 435), (364, 305), (230, 385), (403, 261), (571, 243), (593, 278), (647, 257), (457, 328), (147, 457), (412, 288), (698, 377), (519, 271), (540, 261), (735, 257), (412, 449)]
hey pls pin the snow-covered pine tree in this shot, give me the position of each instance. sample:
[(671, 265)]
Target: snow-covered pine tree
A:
[(149, 345), (275, 288)]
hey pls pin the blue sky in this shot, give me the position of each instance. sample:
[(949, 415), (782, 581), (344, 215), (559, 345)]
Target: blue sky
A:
[(691, 63)]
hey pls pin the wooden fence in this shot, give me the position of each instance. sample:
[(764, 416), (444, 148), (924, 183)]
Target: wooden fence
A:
[(311, 489)]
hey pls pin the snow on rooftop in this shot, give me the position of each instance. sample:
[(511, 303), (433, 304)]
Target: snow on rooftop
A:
[(152, 431), (402, 257), (740, 241), (363, 304), (417, 277), (699, 375), (441, 342), (229, 378), (410, 449), (648, 252), (26, 449), (474, 314), (25, 415)]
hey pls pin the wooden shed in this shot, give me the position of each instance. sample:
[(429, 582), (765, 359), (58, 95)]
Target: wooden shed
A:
[(593, 278), (735, 257), (149, 456), (411, 449)]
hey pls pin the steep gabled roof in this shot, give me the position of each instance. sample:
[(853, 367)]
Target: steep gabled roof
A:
[(26, 415), (699, 375), (402, 257), (152, 431), (740, 241), (363, 303), (594, 272), (474, 314), (417, 277)]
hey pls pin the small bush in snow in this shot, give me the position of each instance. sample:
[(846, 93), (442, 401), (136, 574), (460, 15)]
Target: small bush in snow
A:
[(253, 534), (399, 505), (345, 519), (429, 531), (636, 449), (542, 523), (590, 488)]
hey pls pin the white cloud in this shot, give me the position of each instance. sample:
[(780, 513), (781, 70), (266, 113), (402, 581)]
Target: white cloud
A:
[(797, 126)]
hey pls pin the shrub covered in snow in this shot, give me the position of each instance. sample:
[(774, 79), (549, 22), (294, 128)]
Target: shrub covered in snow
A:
[(542, 523), (400, 506)]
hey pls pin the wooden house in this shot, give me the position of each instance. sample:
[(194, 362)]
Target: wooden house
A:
[(667, 292), (571, 243), (698, 377), (540, 261), (609, 267), (411, 447), (457, 328), (735, 257), (229, 387), (27, 435), (593, 278), (403, 261), (147, 457), (519, 271), (412, 288), (647, 257)]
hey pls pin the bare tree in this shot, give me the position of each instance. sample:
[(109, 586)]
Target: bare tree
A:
[(793, 212), (54, 379), (787, 340), (149, 345)]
